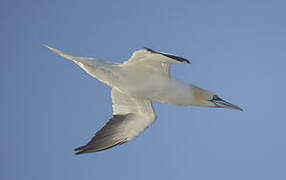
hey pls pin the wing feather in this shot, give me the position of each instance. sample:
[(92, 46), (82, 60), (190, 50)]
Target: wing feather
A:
[(153, 61), (131, 117)]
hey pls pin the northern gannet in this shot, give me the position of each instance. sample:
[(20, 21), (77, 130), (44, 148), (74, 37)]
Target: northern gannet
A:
[(135, 83)]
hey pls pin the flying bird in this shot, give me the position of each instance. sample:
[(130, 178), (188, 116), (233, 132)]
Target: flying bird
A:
[(135, 83)]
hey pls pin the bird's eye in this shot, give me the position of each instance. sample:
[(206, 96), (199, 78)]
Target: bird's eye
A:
[(215, 98)]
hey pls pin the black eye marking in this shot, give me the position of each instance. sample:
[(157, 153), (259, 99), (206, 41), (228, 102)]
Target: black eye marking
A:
[(216, 98), (177, 58)]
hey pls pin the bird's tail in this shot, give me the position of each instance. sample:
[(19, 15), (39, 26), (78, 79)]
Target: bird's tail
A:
[(65, 55)]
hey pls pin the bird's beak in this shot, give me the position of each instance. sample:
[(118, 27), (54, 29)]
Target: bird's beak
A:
[(224, 104)]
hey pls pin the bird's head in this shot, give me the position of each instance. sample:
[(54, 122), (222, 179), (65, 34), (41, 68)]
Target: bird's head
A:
[(206, 98)]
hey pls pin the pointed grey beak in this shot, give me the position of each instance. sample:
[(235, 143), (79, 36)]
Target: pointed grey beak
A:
[(223, 104)]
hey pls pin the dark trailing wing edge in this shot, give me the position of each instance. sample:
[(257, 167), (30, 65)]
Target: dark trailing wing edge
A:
[(177, 58), (108, 137)]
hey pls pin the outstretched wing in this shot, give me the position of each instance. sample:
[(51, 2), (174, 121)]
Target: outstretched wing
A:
[(154, 61), (131, 117)]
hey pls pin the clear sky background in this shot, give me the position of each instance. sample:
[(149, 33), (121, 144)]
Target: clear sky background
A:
[(50, 106)]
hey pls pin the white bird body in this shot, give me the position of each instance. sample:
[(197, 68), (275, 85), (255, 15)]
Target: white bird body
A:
[(142, 83), (144, 78)]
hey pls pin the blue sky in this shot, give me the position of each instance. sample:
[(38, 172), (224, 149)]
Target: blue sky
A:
[(49, 105)]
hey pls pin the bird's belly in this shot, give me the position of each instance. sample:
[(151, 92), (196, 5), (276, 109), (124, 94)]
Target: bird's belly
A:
[(159, 89), (145, 85)]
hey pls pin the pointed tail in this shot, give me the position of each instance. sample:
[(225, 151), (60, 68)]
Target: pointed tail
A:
[(65, 55)]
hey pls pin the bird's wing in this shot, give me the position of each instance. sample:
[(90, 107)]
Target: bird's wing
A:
[(130, 118), (153, 61)]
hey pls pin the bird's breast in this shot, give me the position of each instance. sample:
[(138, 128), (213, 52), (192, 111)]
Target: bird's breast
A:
[(156, 88)]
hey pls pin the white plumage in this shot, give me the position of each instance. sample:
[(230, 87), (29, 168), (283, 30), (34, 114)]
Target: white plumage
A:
[(135, 83)]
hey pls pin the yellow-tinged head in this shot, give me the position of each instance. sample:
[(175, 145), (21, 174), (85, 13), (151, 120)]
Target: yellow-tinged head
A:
[(206, 98)]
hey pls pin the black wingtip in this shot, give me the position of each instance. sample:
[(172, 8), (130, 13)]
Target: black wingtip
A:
[(187, 61), (80, 152), (180, 59), (149, 49), (90, 149), (79, 148)]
